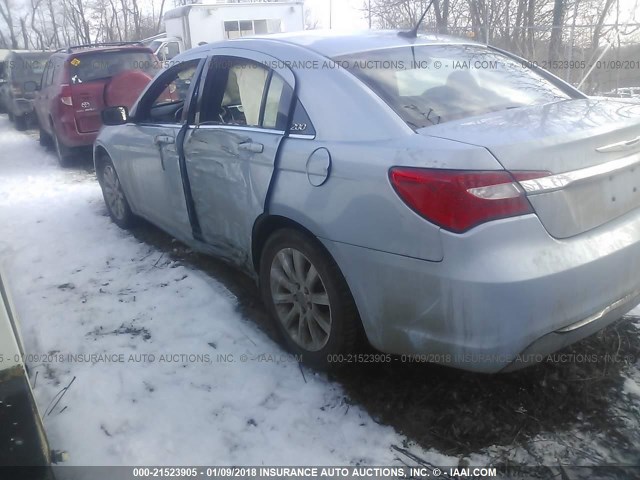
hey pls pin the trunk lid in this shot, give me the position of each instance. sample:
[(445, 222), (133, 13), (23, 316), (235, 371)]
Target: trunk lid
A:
[(591, 148), (88, 102), (91, 71)]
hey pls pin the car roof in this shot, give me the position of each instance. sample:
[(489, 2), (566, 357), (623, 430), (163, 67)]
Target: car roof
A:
[(83, 50), (30, 54), (333, 43)]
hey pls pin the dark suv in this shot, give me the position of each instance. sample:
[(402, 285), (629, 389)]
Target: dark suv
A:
[(22, 72), (79, 82)]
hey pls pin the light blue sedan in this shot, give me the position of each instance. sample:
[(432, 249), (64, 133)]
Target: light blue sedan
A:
[(442, 199)]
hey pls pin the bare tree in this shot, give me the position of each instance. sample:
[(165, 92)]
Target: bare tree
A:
[(555, 43), (5, 13)]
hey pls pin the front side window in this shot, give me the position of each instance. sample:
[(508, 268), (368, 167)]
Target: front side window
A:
[(242, 92), (173, 49), (167, 97), (45, 75), (432, 84), (57, 68)]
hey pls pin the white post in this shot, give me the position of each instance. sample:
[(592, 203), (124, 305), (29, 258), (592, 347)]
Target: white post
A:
[(594, 64), (330, 14)]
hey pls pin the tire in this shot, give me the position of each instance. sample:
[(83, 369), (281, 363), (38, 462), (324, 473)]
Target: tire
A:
[(315, 313), (21, 122), (10, 115), (64, 153), (114, 197), (44, 138)]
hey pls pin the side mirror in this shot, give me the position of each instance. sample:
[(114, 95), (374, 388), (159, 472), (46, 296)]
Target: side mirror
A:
[(30, 87), (115, 116)]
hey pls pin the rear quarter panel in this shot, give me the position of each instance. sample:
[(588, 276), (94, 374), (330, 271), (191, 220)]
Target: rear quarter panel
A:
[(365, 138)]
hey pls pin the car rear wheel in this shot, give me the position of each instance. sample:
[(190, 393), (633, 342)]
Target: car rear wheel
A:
[(44, 138), (114, 197), (21, 122), (63, 152), (305, 292)]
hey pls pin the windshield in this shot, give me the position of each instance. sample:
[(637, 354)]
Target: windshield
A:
[(428, 85), (156, 44), (26, 67), (102, 65)]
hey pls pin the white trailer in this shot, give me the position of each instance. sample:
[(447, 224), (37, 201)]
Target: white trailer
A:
[(192, 25)]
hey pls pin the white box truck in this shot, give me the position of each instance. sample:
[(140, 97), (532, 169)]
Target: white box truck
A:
[(192, 25)]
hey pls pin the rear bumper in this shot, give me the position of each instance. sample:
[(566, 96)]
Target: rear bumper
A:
[(554, 341), (500, 295), (68, 133), (21, 107)]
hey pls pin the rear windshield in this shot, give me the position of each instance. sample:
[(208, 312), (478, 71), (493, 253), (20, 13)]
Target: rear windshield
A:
[(432, 84), (88, 67), (28, 67)]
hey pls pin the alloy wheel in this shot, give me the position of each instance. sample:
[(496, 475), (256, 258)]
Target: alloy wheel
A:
[(301, 300), (113, 192)]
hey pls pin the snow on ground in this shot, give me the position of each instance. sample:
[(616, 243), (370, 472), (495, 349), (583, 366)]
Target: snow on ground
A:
[(161, 391), (635, 311), (84, 287)]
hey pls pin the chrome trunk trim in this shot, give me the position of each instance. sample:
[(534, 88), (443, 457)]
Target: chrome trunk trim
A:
[(562, 180)]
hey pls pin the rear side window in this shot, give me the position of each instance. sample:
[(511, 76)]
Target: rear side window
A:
[(432, 84), (301, 123), (88, 67)]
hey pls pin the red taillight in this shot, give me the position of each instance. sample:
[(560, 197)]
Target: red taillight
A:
[(65, 95), (458, 200)]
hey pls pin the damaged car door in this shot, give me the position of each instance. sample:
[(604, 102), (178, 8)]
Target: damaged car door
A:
[(230, 152), (153, 142)]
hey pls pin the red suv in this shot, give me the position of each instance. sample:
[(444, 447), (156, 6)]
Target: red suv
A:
[(79, 82)]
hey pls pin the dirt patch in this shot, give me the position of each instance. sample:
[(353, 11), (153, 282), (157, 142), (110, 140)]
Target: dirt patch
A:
[(124, 329), (460, 412)]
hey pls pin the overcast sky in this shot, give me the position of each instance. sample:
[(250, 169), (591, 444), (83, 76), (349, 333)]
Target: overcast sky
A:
[(346, 14), (350, 15)]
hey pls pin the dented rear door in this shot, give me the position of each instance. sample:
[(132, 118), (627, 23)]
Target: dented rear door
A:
[(231, 151)]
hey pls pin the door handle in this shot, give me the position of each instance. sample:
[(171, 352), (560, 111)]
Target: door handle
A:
[(164, 139), (251, 147)]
